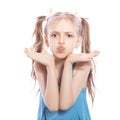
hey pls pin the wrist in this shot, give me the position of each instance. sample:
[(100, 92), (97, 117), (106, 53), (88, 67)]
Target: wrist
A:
[(50, 65), (67, 63)]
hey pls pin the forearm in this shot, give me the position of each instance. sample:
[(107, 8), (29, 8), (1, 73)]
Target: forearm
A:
[(47, 79), (51, 92), (66, 94)]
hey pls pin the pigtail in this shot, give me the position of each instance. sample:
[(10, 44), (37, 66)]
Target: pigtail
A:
[(85, 36), (86, 49), (38, 45), (38, 33)]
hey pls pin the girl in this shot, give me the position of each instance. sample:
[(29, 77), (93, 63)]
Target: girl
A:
[(63, 76)]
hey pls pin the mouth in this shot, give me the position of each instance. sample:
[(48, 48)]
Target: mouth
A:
[(60, 49)]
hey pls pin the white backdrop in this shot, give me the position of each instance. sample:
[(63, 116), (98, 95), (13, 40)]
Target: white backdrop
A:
[(17, 17)]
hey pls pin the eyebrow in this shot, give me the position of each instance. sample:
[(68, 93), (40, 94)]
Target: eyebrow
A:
[(70, 32)]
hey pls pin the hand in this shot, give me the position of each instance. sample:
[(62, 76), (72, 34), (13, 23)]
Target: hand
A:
[(82, 57), (44, 58)]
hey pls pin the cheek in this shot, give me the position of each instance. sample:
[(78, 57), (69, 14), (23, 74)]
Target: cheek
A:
[(69, 48), (72, 44), (52, 46)]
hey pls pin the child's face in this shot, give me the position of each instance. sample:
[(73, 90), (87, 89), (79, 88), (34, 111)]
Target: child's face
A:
[(62, 38)]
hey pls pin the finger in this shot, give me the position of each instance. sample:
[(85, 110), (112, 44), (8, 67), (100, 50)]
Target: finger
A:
[(95, 53), (28, 52), (25, 50)]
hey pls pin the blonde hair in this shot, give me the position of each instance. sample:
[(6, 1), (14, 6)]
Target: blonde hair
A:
[(82, 29)]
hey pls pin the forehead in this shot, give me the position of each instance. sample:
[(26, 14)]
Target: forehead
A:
[(62, 25)]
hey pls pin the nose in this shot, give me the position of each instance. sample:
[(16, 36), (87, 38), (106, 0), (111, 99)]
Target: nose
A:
[(61, 40)]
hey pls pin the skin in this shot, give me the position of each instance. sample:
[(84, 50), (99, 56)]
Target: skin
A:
[(61, 39)]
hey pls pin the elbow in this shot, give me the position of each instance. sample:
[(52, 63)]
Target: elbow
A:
[(52, 105), (64, 106), (53, 108), (65, 103)]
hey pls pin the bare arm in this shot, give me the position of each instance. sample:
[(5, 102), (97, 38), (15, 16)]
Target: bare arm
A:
[(45, 73), (51, 94), (66, 92), (71, 86)]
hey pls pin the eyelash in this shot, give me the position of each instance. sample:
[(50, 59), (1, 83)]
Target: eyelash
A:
[(69, 35), (53, 35)]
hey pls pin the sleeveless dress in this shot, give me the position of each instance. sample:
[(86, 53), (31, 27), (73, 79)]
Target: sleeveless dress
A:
[(78, 111)]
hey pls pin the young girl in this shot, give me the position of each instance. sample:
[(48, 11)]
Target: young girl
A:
[(63, 76)]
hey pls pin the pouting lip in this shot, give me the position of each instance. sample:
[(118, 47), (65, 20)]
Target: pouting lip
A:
[(60, 48)]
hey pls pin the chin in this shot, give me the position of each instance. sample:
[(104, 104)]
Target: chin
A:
[(61, 56)]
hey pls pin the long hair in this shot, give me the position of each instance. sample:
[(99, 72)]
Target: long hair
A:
[(82, 29), (86, 48), (38, 45)]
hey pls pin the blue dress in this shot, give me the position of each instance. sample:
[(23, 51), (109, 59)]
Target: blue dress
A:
[(78, 111)]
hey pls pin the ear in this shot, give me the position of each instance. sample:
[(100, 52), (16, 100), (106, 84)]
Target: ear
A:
[(79, 42)]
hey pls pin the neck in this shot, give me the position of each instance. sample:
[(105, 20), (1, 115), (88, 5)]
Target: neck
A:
[(59, 62)]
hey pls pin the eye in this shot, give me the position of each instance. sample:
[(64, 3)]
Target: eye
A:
[(53, 35), (69, 35)]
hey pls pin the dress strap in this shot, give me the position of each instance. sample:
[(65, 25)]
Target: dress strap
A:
[(73, 66)]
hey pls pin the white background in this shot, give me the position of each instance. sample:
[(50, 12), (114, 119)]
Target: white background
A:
[(17, 17)]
